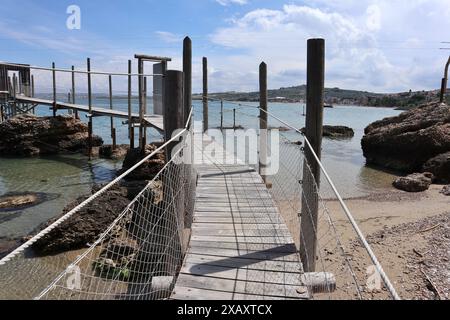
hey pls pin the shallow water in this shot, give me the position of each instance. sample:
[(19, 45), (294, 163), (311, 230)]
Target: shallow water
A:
[(67, 177)]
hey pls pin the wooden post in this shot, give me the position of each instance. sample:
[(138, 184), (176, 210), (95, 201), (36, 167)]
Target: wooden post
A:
[(12, 112), (263, 102), (187, 70), (69, 99), (14, 86), (54, 89), (90, 129), (130, 118), (10, 86), (311, 169), (174, 116), (74, 92), (32, 86), (221, 114), (144, 136), (444, 82), (141, 103), (173, 191), (113, 130), (205, 95)]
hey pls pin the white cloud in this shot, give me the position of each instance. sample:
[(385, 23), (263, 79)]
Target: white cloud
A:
[(168, 37), (228, 2), (385, 46)]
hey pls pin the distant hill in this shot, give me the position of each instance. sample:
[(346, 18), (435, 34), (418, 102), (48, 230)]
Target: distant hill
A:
[(336, 96)]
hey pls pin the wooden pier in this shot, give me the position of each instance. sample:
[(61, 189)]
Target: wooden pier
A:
[(155, 121), (240, 247)]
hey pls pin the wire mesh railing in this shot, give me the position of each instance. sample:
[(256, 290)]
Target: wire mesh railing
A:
[(345, 265), (137, 257)]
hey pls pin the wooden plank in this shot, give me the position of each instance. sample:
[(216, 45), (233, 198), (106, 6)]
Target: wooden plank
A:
[(243, 274), (240, 245), (242, 287), (184, 293), (242, 262), (258, 239)]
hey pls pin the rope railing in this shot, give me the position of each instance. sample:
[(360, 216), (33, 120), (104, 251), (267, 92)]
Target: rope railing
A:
[(136, 257)]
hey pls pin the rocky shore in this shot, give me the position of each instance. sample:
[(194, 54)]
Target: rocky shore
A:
[(27, 135), (86, 225), (416, 141)]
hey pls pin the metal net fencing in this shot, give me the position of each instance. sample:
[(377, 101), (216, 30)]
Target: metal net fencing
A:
[(137, 257), (342, 265)]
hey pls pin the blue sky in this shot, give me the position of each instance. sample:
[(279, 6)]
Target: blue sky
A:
[(376, 45)]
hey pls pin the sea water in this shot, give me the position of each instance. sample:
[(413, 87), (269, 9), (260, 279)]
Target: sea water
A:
[(67, 177)]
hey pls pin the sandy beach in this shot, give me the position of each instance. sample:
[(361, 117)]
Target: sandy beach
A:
[(409, 233)]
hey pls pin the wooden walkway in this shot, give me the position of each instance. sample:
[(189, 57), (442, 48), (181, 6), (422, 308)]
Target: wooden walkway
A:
[(153, 121), (240, 248)]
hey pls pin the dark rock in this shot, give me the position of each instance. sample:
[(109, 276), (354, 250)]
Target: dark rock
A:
[(86, 225), (28, 135), (406, 142), (446, 190), (118, 153), (147, 170), (416, 182), (440, 167), (7, 245), (336, 132)]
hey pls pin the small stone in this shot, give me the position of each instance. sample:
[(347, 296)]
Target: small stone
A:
[(446, 190), (416, 182)]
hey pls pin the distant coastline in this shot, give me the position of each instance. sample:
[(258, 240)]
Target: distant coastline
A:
[(335, 97)]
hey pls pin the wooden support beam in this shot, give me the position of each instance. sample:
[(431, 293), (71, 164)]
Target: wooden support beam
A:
[(74, 92), (311, 169), (205, 94), (113, 130), (173, 192), (221, 114), (263, 103), (187, 70), (144, 136), (174, 117), (141, 103), (90, 129), (54, 88), (32, 86), (130, 118)]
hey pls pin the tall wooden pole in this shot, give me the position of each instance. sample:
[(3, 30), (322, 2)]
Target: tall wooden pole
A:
[(187, 70), (144, 136), (263, 102), (174, 115), (141, 104), (311, 169), (32, 86), (73, 92), (90, 129), (113, 130), (221, 114), (444, 81), (205, 95), (130, 118), (54, 89), (173, 189)]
